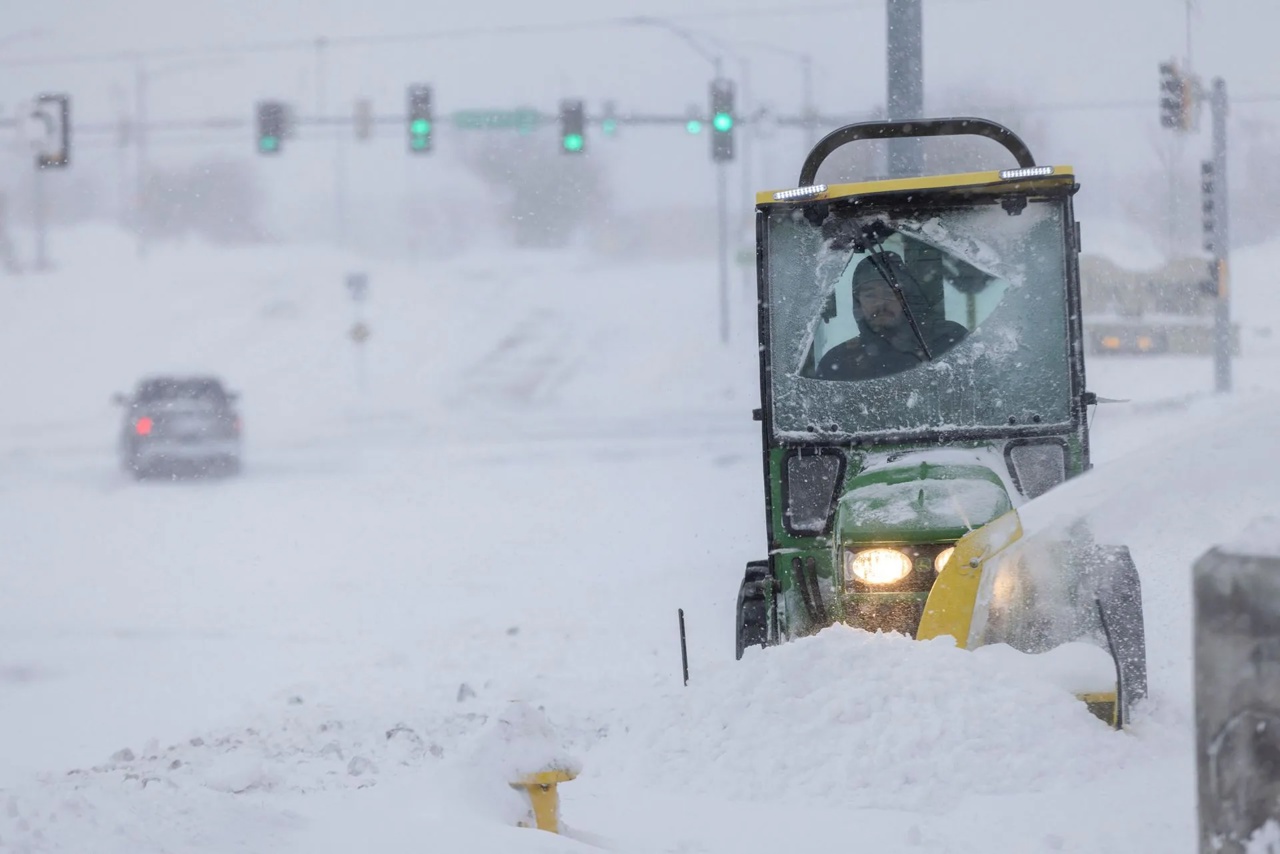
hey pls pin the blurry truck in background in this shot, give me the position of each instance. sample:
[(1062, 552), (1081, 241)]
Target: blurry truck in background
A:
[(1166, 310)]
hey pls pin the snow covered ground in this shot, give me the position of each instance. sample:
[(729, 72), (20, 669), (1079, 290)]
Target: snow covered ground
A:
[(542, 457)]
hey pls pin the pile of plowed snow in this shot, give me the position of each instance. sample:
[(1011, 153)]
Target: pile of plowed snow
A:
[(868, 720)]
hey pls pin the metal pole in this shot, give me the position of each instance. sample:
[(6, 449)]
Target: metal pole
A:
[(747, 203), (810, 119), (1236, 600), (905, 72), (684, 650), (38, 212), (1221, 242), (140, 168), (722, 242), (722, 216)]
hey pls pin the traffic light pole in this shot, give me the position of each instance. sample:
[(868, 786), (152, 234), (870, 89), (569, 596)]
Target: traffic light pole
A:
[(722, 226), (39, 214), (905, 45), (722, 248), (1221, 241)]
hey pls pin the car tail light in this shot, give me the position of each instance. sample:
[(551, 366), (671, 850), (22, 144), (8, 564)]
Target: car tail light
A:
[(142, 426)]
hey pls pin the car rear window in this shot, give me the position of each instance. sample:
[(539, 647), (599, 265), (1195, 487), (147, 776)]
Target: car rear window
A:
[(205, 391)]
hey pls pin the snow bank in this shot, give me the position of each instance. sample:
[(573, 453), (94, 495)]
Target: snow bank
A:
[(858, 720)]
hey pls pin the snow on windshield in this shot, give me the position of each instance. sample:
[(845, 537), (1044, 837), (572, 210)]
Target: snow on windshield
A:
[(982, 340)]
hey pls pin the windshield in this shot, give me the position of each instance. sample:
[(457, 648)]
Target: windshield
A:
[(950, 319)]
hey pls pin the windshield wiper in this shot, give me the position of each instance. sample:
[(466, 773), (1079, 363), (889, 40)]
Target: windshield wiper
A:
[(878, 255)]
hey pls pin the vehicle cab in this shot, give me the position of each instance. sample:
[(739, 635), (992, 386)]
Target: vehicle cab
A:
[(921, 375)]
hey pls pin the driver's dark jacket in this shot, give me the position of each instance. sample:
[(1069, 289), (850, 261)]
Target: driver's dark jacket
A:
[(873, 355)]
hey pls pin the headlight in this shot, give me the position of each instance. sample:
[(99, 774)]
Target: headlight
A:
[(876, 566), (943, 556)]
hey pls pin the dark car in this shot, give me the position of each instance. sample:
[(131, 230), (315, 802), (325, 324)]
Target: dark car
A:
[(180, 425)]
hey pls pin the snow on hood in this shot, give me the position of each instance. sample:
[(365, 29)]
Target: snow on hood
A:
[(930, 503)]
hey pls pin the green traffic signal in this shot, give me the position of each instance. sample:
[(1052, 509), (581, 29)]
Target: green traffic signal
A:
[(268, 143), (609, 126), (573, 142), (723, 122), (693, 126), (419, 134)]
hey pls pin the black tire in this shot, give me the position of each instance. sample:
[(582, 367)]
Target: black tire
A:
[(754, 604)]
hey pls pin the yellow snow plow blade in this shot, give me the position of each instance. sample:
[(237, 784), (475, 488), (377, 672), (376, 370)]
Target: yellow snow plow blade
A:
[(959, 593), (949, 609)]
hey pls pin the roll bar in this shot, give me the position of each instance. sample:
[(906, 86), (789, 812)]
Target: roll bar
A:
[(914, 128)]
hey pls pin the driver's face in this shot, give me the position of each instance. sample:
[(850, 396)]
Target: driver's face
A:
[(880, 306)]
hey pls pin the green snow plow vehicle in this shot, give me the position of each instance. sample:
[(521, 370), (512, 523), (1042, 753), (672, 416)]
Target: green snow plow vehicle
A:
[(922, 377)]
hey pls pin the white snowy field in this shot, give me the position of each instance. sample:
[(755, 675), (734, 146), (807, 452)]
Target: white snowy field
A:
[(542, 457)]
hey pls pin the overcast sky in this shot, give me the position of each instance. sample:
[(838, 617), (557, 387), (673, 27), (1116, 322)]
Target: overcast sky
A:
[(1029, 51)]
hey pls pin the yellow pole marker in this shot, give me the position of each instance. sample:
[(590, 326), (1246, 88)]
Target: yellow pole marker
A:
[(544, 799)]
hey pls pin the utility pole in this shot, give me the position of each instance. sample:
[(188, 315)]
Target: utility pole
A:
[(905, 72), (810, 117), (39, 214), (1221, 240), (722, 232)]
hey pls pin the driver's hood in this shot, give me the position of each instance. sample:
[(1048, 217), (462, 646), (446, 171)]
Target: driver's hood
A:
[(920, 502)]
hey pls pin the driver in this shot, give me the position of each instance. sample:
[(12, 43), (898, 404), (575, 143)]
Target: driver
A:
[(888, 342)]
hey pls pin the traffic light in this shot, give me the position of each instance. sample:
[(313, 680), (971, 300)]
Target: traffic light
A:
[(59, 115), (1176, 98), (693, 121), (573, 127), (1209, 219), (272, 118), (722, 120), (421, 122)]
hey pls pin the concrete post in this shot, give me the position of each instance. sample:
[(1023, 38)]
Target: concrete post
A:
[(1237, 687)]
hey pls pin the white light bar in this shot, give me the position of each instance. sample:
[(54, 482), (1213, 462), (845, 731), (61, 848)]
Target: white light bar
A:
[(1033, 172), (799, 192)]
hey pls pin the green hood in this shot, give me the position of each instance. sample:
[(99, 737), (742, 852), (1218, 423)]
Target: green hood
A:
[(920, 503)]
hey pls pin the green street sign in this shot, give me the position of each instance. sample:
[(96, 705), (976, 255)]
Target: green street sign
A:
[(522, 120)]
